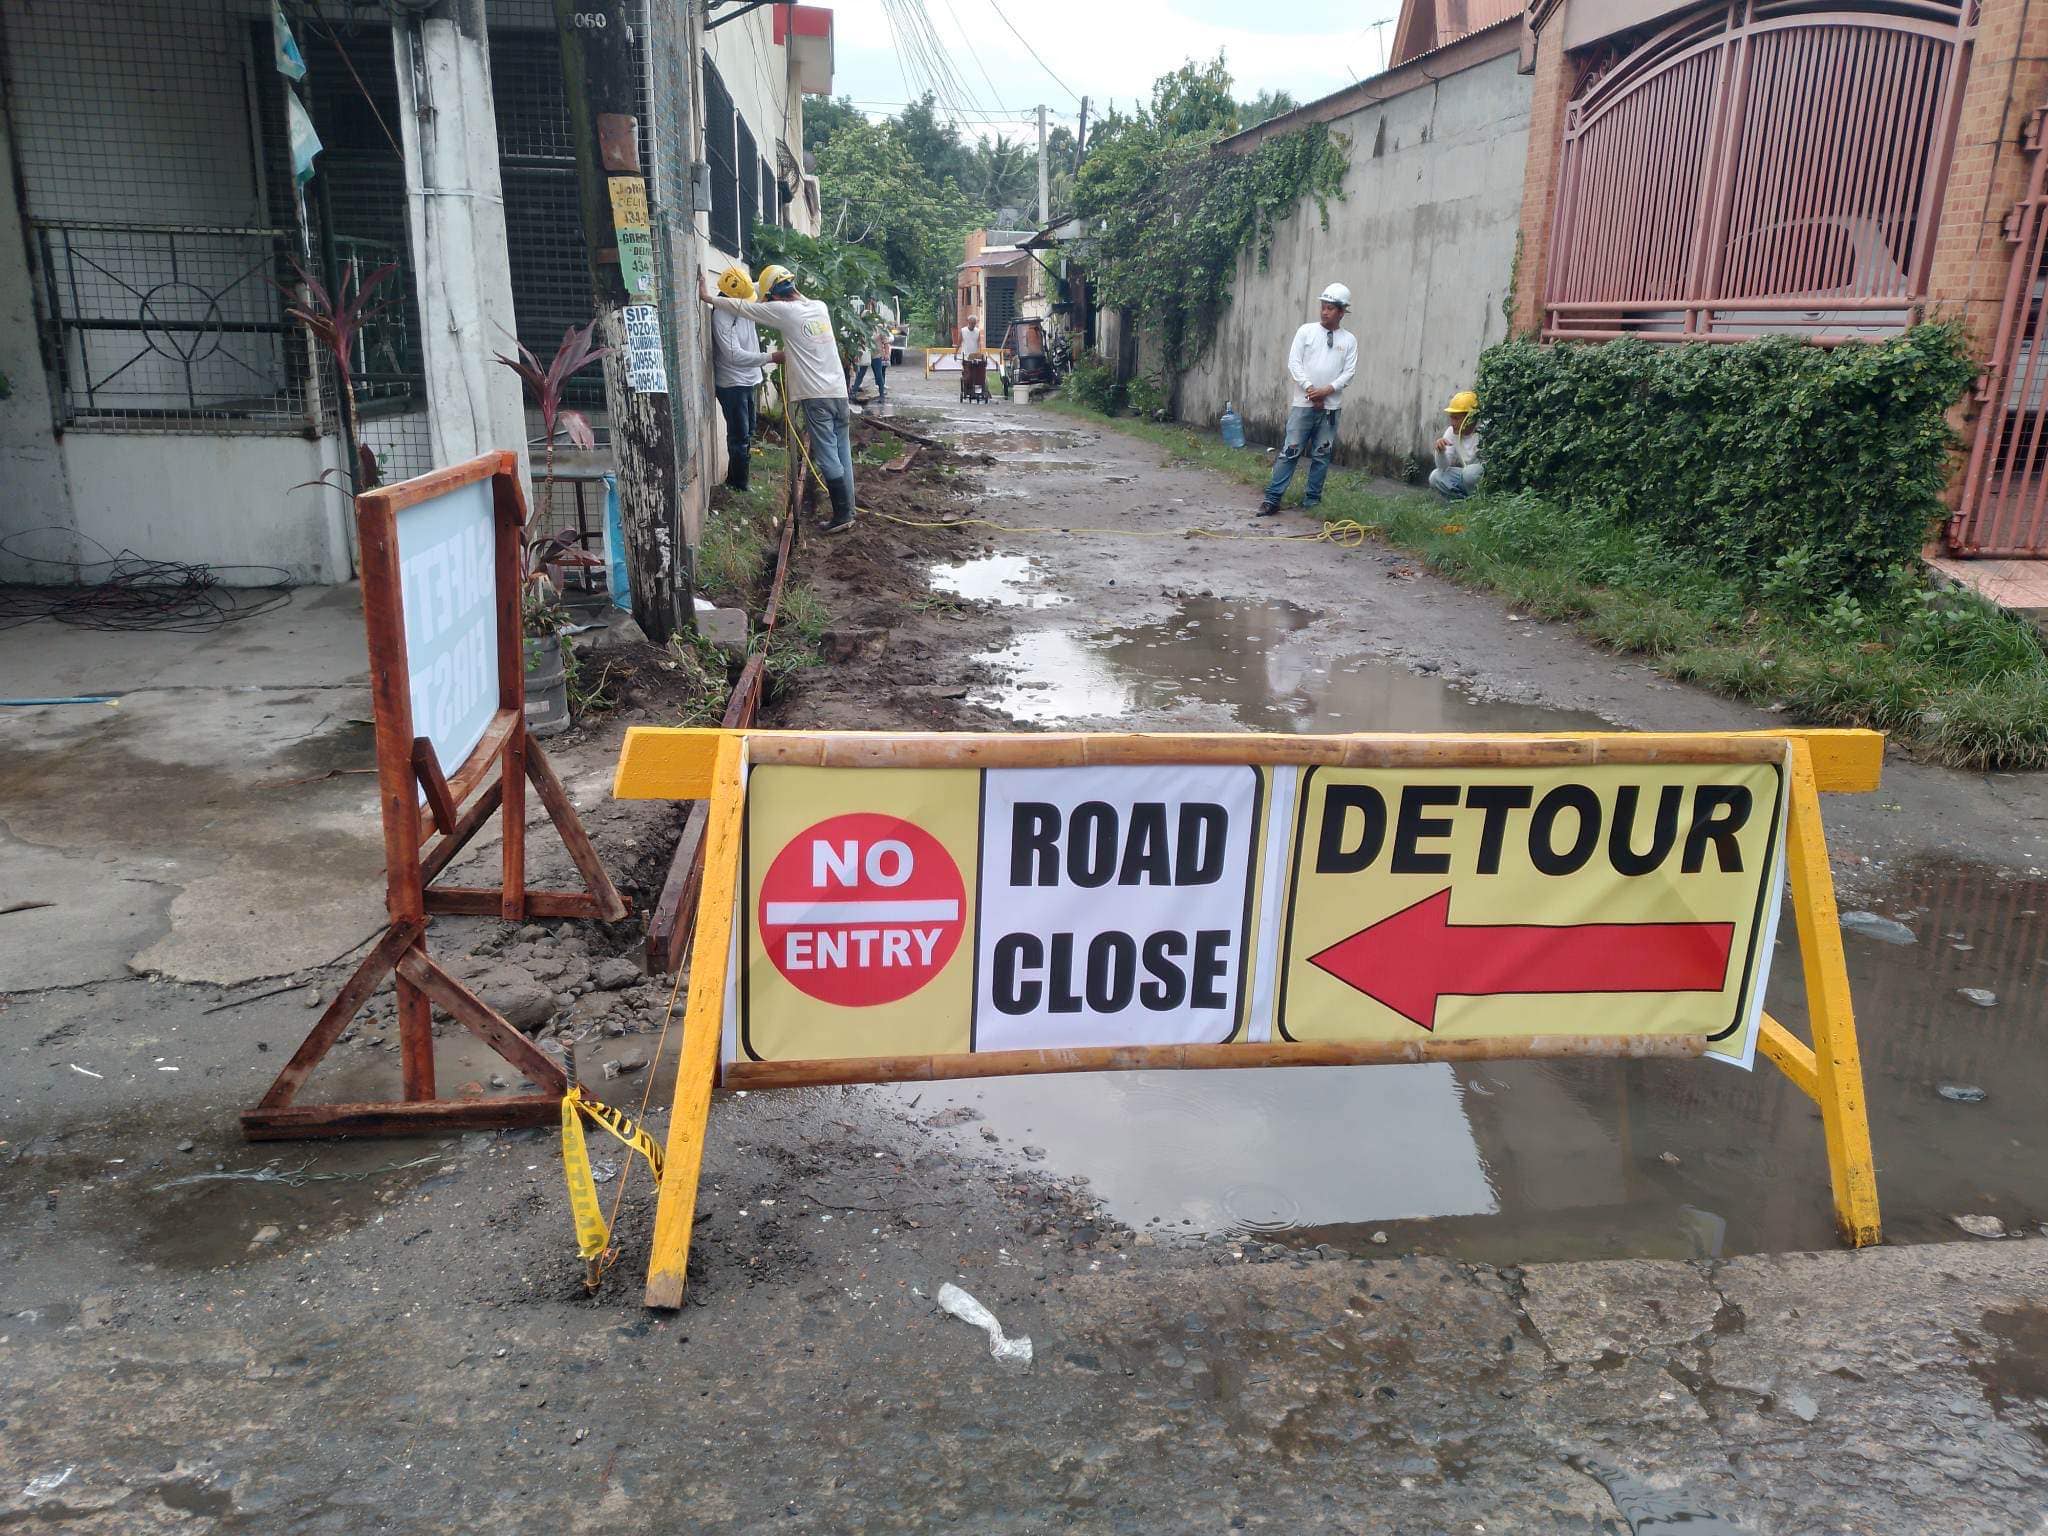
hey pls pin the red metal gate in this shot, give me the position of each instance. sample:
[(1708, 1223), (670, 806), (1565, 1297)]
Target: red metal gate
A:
[(2004, 508), (1759, 167)]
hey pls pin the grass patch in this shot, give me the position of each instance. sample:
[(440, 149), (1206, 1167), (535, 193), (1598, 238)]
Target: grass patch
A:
[(1943, 672), (740, 532)]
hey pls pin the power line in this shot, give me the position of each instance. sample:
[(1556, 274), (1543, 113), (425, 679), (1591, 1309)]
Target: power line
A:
[(996, 6)]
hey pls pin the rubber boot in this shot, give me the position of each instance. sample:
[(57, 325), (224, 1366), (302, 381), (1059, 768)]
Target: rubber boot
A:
[(737, 468), (842, 505)]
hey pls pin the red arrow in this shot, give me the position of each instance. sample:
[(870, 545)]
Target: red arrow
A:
[(1411, 959)]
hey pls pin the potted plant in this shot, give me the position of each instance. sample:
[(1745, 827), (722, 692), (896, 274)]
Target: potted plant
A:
[(549, 662)]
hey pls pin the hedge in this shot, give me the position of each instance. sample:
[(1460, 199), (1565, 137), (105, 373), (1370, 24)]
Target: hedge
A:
[(1815, 470)]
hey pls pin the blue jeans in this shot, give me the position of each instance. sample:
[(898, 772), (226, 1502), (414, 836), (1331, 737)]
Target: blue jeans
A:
[(737, 403), (1308, 428), (1456, 482), (830, 429), (881, 367)]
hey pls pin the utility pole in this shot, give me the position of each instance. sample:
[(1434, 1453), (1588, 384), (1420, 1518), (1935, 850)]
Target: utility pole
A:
[(600, 78), (1044, 180), (1081, 138), (1379, 35)]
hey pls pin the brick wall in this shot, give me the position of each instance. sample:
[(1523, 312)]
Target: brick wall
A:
[(1551, 94)]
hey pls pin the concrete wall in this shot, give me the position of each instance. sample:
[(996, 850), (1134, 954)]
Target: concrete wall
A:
[(1425, 238)]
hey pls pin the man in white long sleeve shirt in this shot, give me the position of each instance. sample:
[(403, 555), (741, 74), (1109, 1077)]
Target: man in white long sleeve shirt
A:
[(1457, 450), (1320, 361), (813, 378), (737, 361)]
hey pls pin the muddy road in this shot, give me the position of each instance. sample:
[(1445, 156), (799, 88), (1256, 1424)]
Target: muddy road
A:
[(1419, 1299)]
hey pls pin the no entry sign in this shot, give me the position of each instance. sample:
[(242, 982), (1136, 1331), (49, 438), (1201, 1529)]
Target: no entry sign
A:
[(861, 909)]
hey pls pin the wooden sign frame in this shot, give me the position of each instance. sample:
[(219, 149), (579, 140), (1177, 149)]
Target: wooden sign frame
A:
[(422, 802), (711, 765)]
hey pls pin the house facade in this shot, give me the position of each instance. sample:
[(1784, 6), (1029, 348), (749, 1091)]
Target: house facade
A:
[(164, 202)]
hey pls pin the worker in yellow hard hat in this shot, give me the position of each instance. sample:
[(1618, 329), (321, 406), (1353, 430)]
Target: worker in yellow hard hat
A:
[(813, 377), (737, 368), (1456, 474)]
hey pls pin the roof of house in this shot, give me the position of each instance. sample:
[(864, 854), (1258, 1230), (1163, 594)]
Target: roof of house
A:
[(995, 256), (1427, 25)]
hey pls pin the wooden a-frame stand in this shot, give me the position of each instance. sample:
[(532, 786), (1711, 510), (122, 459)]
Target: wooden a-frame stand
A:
[(492, 779)]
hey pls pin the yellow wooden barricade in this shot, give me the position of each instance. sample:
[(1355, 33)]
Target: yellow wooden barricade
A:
[(712, 764)]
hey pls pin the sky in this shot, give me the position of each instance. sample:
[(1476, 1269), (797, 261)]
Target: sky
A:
[(1108, 50)]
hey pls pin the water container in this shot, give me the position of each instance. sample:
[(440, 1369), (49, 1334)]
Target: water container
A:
[(1233, 426), (547, 690)]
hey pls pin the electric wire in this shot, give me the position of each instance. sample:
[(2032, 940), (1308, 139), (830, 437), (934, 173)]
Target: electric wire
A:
[(996, 6), (132, 592)]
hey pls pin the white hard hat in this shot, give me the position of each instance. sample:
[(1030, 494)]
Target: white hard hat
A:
[(1336, 294)]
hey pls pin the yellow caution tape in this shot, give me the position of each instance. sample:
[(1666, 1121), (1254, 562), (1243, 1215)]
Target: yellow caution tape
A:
[(593, 1237)]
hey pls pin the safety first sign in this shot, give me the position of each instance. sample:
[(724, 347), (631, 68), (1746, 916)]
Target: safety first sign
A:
[(914, 911)]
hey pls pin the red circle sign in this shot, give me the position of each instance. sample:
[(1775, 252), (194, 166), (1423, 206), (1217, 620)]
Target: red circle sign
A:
[(862, 909)]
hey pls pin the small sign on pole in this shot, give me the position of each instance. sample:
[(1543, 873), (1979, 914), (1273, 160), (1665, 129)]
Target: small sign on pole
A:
[(441, 572), (888, 907)]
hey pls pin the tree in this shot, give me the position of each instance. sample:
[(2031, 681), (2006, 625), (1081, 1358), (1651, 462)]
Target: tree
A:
[(875, 194), (935, 145), (825, 117), (1005, 175), (1266, 104), (1195, 99)]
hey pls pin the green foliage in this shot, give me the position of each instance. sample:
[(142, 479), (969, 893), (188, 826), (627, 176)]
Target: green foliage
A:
[(877, 195), (843, 276), (1093, 384), (1168, 219), (1267, 104), (1800, 474), (825, 118), (1944, 671)]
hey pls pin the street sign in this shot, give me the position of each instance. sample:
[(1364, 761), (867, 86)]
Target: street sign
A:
[(884, 907), (1595, 899), (447, 565), (1111, 907)]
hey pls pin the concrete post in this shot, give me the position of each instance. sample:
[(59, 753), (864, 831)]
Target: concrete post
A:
[(456, 211), (38, 491)]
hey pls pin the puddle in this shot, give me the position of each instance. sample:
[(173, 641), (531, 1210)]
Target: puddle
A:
[(1539, 1161), (1018, 442), (1216, 652), (1009, 581)]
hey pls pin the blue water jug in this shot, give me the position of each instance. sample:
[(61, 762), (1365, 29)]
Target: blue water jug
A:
[(1233, 426)]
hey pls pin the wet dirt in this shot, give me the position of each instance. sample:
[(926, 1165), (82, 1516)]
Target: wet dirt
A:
[(1508, 1162)]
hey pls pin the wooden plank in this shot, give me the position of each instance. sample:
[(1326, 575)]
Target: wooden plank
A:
[(390, 707), (485, 757), (436, 858), (435, 482), (611, 906), (1845, 762), (1794, 1057), (675, 764), (426, 769), (473, 1014), (668, 926), (660, 763), (1838, 1063), (1149, 1058), (486, 901), (512, 777), (355, 992), (415, 1038), (703, 1018), (299, 1122)]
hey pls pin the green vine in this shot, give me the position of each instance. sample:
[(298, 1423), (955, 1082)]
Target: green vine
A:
[(1167, 215)]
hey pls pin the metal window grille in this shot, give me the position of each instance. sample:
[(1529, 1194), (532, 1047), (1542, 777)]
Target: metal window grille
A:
[(771, 196), (750, 190), (721, 125), (1757, 168), (157, 242)]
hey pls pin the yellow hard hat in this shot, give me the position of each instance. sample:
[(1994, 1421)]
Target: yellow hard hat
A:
[(1463, 403), (734, 283), (771, 275)]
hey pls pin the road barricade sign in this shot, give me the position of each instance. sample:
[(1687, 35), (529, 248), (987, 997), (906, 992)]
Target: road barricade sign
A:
[(889, 907)]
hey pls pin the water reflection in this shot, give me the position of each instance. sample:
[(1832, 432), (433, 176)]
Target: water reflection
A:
[(1237, 655)]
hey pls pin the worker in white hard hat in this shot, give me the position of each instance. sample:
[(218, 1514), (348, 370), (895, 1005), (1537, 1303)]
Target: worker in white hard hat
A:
[(1320, 361), (1457, 450)]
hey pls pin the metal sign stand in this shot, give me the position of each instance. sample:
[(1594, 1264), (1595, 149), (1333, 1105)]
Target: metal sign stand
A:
[(492, 780)]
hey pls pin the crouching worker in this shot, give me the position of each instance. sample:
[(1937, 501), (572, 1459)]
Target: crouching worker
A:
[(813, 379), (736, 366), (1320, 362), (1456, 474)]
